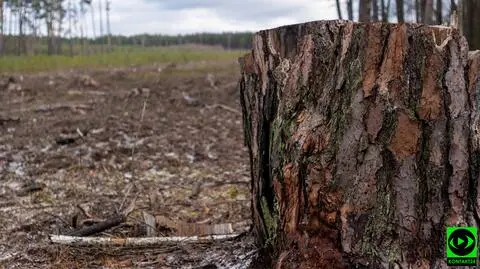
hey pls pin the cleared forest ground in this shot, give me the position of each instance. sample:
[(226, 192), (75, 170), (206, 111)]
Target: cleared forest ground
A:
[(77, 147)]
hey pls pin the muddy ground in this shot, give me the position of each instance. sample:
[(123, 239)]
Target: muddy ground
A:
[(79, 147)]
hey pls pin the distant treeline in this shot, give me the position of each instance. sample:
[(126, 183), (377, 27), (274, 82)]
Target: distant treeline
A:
[(35, 45), (73, 27), (226, 40)]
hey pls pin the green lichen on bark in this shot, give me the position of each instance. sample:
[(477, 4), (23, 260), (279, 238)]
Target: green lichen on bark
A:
[(272, 220)]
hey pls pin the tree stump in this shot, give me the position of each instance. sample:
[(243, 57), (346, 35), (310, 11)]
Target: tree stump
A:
[(364, 142)]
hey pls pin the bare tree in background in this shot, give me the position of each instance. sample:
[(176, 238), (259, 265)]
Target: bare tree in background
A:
[(92, 9), (100, 11), (375, 10), (439, 12), (453, 5), (48, 16), (1, 27), (418, 11), (109, 33), (11, 20), (339, 10), (70, 29), (385, 9), (350, 9), (400, 11), (470, 22), (428, 9), (60, 12), (364, 10), (83, 26), (20, 38)]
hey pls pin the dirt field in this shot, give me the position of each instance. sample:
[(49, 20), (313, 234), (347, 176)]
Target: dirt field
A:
[(76, 148)]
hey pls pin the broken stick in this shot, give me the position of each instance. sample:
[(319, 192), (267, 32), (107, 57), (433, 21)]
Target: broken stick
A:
[(134, 241), (99, 227)]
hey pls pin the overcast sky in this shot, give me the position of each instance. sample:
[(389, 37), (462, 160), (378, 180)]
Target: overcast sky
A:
[(191, 16)]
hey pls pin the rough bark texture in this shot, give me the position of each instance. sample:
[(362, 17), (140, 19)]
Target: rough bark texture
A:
[(363, 142)]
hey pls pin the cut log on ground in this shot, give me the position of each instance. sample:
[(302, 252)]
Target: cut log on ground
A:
[(135, 241), (363, 141)]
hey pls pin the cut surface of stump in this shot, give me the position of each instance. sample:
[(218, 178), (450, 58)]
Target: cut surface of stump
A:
[(363, 142)]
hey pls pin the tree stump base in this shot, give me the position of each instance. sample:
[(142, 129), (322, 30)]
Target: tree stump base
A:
[(364, 142)]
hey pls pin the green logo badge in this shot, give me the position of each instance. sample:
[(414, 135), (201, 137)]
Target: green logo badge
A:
[(462, 246)]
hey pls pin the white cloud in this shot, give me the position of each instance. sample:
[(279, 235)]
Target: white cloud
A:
[(190, 16), (173, 17)]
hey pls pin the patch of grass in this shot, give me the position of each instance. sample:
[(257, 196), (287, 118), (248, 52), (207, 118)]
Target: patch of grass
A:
[(116, 58)]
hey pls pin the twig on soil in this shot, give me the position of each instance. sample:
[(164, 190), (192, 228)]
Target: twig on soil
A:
[(84, 210), (4, 120), (134, 241), (74, 107), (227, 108), (141, 121), (130, 207), (8, 256), (125, 197)]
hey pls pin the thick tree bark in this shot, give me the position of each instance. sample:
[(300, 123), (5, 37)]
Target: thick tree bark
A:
[(363, 140)]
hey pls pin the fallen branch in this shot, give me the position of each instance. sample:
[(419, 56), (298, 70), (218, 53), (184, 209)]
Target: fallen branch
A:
[(5, 120), (134, 241), (74, 107), (8, 256), (190, 229), (99, 227)]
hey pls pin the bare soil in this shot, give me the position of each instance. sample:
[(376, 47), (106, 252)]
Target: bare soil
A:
[(78, 147)]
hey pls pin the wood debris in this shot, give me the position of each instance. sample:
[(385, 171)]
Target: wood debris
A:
[(134, 241)]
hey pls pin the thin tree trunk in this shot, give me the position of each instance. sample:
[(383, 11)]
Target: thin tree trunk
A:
[(83, 28), (339, 10), (100, 11), (93, 22), (2, 23), (367, 170), (453, 5), (15, 35), (422, 10), (70, 30), (375, 10), (439, 12), (36, 34), (428, 15), (470, 22), (59, 28), (350, 9), (109, 33), (418, 11), (385, 10), (11, 18), (50, 34), (400, 11), (21, 39), (364, 10)]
